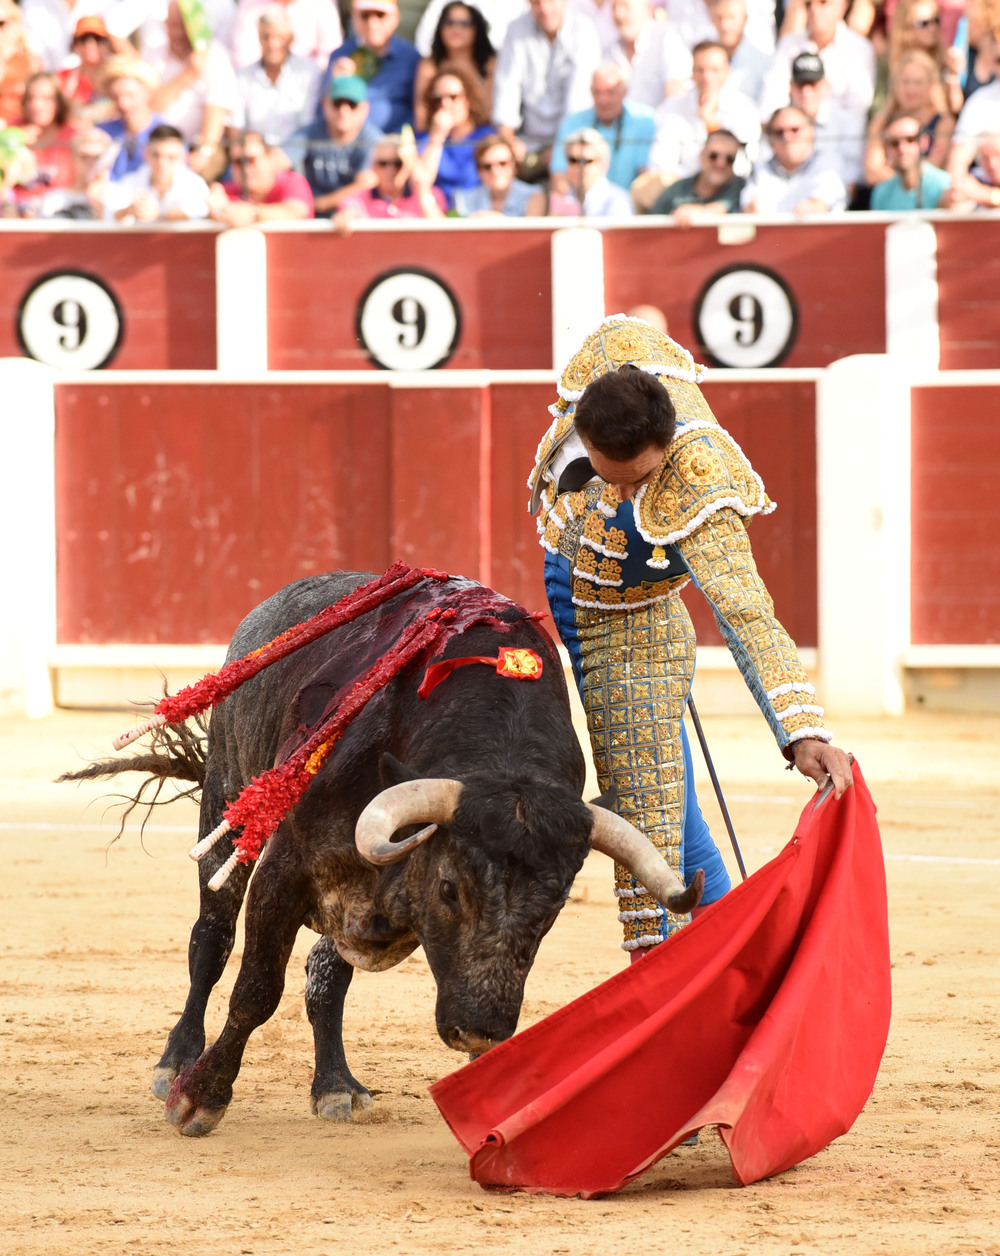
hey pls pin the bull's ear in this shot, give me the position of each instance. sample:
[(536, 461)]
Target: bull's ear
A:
[(392, 772), (607, 801)]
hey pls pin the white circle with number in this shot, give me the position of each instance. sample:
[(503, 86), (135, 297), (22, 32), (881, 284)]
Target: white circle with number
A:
[(408, 321), (70, 320), (746, 317)]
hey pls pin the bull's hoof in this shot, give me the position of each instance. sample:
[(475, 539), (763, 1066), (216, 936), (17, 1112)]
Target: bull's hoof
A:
[(190, 1120), (163, 1079), (341, 1105)]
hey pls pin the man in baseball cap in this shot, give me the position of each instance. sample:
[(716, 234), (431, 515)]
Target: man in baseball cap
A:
[(387, 63), (839, 132)]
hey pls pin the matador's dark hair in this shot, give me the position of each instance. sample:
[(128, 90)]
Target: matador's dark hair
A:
[(624, 412)]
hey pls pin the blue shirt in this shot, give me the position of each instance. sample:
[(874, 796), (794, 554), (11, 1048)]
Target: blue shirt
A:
[(129, 157), (457, 168), (327, 165), (891, 195), (390, 91), (477, 200), (629, 140)]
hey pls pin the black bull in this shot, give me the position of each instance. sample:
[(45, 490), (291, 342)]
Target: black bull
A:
[(495, 768)]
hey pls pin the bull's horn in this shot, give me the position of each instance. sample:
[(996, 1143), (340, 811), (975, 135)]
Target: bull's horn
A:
[(614, 836), (412, 802)]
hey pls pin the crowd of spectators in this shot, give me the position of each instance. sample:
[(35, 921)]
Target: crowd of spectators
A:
[(253, 110)]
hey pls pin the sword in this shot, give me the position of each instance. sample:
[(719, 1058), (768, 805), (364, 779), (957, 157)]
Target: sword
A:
[(715, 784)]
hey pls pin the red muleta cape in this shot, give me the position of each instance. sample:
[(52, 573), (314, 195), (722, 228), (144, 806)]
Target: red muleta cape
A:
[(767, 1016)]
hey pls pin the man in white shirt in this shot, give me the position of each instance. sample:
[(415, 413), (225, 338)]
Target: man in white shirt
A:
[(656, 58), (840, 134), (316, 30), (277, 94), (748, 61), (978, 121), (543, 72), (197, 89), (683, 124), (796, 179), (162, 189), (848, 59)]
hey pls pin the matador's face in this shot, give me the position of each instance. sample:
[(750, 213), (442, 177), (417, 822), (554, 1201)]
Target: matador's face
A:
[(627, 475)]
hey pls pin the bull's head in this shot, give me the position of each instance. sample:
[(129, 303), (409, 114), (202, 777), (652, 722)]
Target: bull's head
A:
[(488, 889)]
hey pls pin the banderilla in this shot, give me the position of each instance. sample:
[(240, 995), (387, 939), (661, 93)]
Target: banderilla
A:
[(715, 784)]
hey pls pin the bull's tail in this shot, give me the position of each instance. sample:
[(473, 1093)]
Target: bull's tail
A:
[(175, 752)]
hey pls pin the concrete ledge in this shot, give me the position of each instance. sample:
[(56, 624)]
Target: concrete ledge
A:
[(117, 677)]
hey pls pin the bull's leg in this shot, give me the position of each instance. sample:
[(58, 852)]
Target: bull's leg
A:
[(336, 1094), (208, 950), (276, 905)]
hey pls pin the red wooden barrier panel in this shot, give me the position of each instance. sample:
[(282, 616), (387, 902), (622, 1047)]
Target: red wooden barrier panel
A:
[(955, 564), (318, 284), (179, 506), (968, 266), (157, 309), (827, 280)]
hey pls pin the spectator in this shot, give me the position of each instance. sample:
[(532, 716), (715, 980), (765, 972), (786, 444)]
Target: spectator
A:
[(651, 314), (459, 120), (130, 83), (461, 39), (498, 193), (627, 127), (911, 90), (655, 59), (316, 30), (748, 61), (51, 24), (974, 68), (543, 72), (915, 25), (796, 179), (334, 152), (839, 133), (279, 93), (693, 22), (17, 168), (45, 122), (387, 63), (713, 191), (17, 63), (197, 91), (915, 183), (401, 188), (683, 124), (848, 58), (83, 198), (986, 173), (498, 15), (91, 48), (590, 192), (261, 189), (165, 189), (978, 121)]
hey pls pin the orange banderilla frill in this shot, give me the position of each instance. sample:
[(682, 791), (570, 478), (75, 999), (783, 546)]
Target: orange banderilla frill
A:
[(514, 662)]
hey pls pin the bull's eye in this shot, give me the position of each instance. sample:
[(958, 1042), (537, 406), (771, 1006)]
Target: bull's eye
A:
[(449, 894)]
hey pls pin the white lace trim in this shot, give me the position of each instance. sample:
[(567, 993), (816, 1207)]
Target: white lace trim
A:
[(587, 575), (628, 606), (638, 892), (647, 913), (659, 563), (554, 518), (647, 939), (790, 686), (712, 508), (602, 549), (607, 510), (808, 708), (817, 734)]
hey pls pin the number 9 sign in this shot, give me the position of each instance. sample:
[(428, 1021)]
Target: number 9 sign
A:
[(408, 320), (70, 319), (746, 317)]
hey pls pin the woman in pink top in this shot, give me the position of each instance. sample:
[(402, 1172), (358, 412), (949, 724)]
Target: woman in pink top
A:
[(403, 189)]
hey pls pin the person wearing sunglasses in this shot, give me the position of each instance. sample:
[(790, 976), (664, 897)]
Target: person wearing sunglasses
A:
[(387, 63), (461, 39), (628, 128), (459, 118), (915, 183), (979, 120), (401, 188), (589, 192), (713, 191), (839, 132), (848, 59), (259, 187), (499, 193), (796, 179), (334, 152), (279, 93)]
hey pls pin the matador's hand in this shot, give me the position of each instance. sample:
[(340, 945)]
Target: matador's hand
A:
[(818, 760)]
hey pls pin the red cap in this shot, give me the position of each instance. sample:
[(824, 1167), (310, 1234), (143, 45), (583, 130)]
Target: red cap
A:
[(91, 26)]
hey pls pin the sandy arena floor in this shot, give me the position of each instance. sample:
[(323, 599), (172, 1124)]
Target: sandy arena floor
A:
[(93, 974)]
